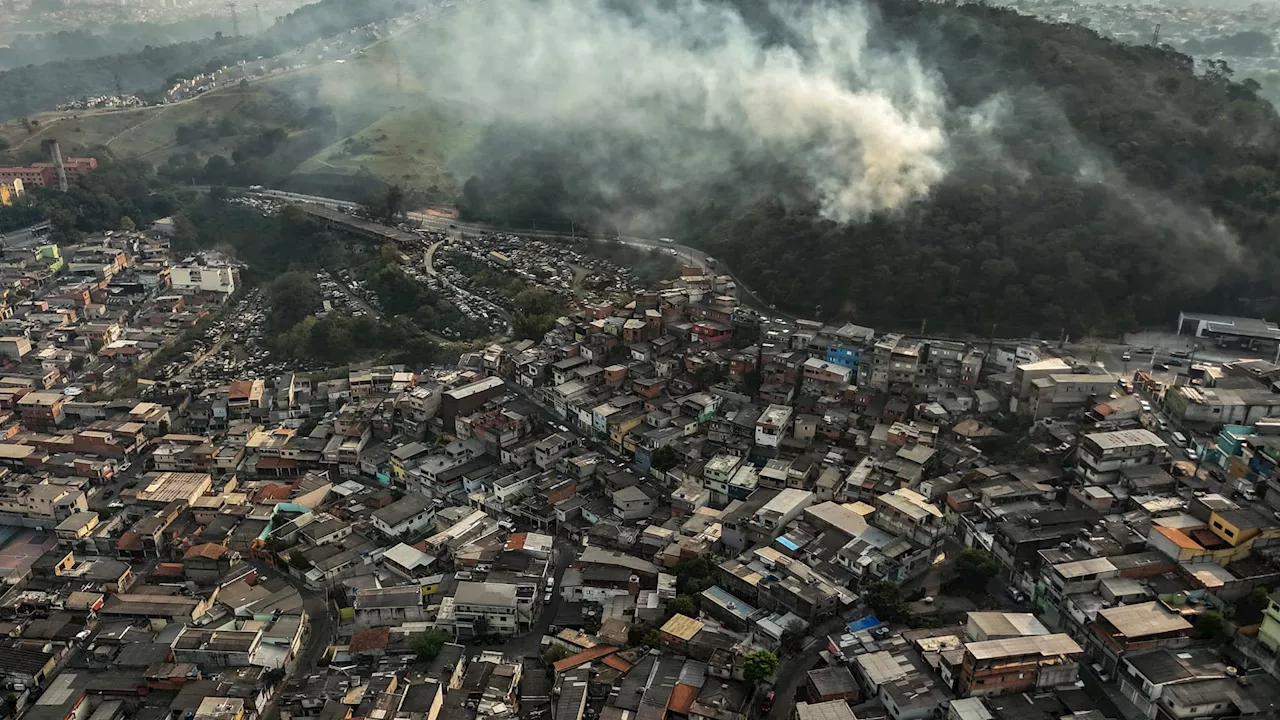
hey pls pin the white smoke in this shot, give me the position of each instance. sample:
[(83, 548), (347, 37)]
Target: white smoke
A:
[(699, 89)]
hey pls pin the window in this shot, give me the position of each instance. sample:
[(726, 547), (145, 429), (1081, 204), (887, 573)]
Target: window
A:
[(1229, 532)]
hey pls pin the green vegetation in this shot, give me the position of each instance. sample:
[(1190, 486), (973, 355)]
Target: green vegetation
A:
[(648, 267), (294, 330), (886, 601), (555, 654), (427, 645), (652, 638), (683, 605), (118, 189), (1113, 187), (693, 575), (974, 569), (759, 665), (535, 311), (792, 637), (506, 285), (35, 88), (664, 459), (423, 148)]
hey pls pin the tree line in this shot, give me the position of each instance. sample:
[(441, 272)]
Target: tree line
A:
[(40, 87), (1117, 186)]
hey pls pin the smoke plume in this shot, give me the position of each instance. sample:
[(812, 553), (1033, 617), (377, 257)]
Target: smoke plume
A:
[(700, 92)]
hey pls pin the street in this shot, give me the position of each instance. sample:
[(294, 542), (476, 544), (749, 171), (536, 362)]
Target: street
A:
[(318, 634), (530, 644)]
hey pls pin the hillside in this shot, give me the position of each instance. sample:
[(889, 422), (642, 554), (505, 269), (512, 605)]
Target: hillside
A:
[(38, 88), (1076, 184)]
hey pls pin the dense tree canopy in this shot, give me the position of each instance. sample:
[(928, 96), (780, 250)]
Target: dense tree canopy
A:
[(1110, 186)]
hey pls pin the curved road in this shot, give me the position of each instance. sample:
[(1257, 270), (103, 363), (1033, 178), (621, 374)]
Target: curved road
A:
[(435, 222)]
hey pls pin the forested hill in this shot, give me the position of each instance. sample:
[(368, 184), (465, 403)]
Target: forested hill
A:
[(38, 88), (1109, 186)]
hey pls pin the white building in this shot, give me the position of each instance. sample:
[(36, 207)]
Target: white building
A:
[(772, 425), (407, 515), (494, 602), (192, 278)]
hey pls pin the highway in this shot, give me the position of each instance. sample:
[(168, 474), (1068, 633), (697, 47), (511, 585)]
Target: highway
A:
[(434, 222)]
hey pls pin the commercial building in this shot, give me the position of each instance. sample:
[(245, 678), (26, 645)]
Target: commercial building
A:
[(200, 278), (45, 175), (1103, 455)]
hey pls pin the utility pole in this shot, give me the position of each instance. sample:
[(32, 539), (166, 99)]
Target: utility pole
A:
[(235, 21)]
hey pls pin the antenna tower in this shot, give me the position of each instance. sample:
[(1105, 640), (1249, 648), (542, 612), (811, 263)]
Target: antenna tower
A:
[(119, 92), (258, 12), (235, 21), (1155, 36)]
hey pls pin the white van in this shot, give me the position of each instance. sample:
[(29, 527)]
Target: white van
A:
[(1180, 439)]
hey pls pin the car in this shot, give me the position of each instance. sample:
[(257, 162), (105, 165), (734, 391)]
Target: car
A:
[(1174, 363), (1160, 366), (1146, 350), (767, 703), (1126, 357), (1181, 354), (546, 598)]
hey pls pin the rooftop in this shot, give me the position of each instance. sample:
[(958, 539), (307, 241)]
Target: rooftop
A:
[(1042, 645), (1144, 620)]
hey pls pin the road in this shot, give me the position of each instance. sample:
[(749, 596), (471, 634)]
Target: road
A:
[(318, 635), (530, 644), (792, 669), (435, 222)]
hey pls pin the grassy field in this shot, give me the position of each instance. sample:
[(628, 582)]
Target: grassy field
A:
[(426, 148), (146, 132), (389, 126)]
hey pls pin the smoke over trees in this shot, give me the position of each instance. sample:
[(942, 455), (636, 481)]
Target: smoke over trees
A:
[(894, 161)]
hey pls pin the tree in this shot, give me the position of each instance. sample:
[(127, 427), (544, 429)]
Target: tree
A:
[(974, 568), (665, 459), (127, 224), (682, 605), (693, 575), (481, 626), (886, 601), (792, 637), (555, 654), (652, 638), (427, 645), (1209, 624), (759, 665)]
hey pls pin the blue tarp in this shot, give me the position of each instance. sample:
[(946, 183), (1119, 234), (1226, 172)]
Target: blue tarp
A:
[(865, 623)]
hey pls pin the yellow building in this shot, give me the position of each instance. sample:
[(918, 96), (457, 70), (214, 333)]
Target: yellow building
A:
[(11, 191)]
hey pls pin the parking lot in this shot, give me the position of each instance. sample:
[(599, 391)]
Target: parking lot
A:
[(554, 266)]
